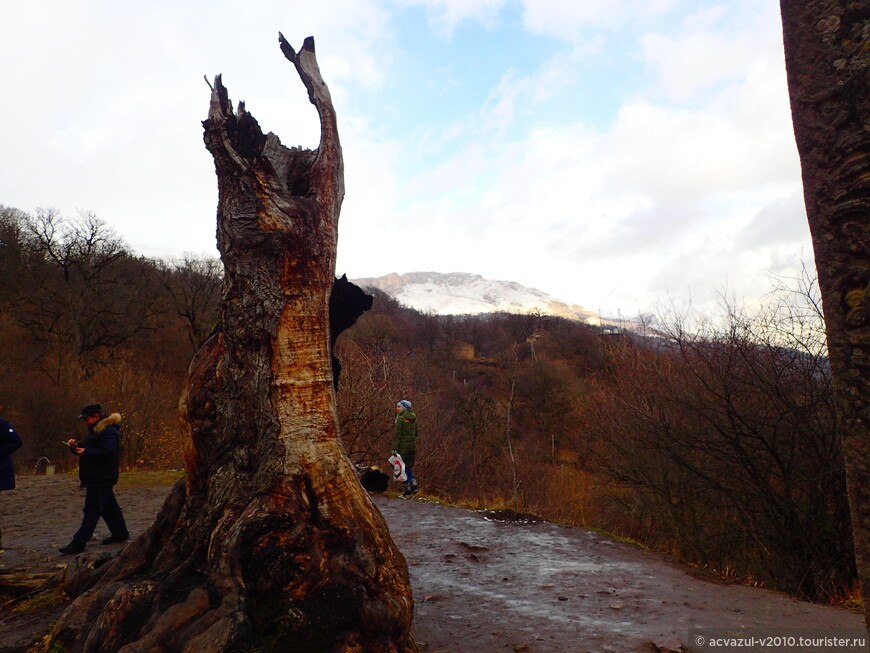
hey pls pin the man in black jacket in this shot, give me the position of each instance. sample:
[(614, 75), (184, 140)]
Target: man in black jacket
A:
[(99, 462), (10, 442)]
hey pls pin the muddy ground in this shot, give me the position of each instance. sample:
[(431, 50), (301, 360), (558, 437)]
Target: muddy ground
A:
[(481, 583)]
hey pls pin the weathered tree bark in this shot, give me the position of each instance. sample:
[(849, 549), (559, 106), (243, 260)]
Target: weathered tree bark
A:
[(269, 543), (827, 53)]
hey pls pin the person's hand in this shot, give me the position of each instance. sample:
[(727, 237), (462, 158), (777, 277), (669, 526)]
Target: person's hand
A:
[(74, 447)]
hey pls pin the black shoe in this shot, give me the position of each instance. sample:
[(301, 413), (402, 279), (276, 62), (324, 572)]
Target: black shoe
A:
[(115, 538), (72, 548), (409, 492)]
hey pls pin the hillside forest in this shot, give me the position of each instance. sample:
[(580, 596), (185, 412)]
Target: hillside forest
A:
[(714, 440)]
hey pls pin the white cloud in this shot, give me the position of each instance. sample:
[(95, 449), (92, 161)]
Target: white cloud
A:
[(712, 50), (684, 155), (691, 188), (780, 222), (688, 178), (446, 15), (568, 20), (105, 101), (519, 96)]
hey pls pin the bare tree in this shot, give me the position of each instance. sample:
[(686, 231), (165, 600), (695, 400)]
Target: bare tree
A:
[(12, 227), (828, 65), (82, 291), (367, 393), (725, 447), (270, 542), (194, 285)]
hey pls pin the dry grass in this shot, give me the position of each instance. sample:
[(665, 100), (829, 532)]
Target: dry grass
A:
[(41, 602), (848, 597)]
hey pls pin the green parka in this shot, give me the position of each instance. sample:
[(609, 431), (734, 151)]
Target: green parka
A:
[(405, 436)]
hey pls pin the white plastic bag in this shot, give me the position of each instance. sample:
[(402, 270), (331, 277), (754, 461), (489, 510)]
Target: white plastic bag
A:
[(398, 467)]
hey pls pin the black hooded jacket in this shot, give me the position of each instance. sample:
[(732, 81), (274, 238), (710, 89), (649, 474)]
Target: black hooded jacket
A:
[(9, 441), (101, 461)]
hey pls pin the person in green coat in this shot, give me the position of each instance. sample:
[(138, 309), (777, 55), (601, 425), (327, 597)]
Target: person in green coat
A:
[(405, 442)]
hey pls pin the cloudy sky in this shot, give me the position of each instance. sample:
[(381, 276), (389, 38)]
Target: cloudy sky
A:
[(619, 154)]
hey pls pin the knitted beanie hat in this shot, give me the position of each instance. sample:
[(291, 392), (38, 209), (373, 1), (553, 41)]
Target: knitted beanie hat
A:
[(405, 404)]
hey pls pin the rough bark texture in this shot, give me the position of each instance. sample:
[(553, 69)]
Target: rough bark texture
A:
[(827, 52), (269, 543)]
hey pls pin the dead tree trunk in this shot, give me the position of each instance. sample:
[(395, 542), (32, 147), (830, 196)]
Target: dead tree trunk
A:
[(270, 543), (827, 54)]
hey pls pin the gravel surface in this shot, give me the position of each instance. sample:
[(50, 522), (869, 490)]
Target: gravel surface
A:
[(483, 582)]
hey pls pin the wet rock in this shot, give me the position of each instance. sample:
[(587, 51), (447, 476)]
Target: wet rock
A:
[(509, 516), (669, 646), (474, 547)]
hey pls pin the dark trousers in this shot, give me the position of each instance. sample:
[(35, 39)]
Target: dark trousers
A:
[(101, 502)]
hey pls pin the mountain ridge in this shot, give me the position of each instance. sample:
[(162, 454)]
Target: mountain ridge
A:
[(464, 293)]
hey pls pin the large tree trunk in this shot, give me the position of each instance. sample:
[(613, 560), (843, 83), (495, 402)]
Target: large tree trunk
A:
[(827, 53), (270, 543)]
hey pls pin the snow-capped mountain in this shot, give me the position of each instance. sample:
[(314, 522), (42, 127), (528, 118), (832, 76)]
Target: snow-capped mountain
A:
[(460, 293)]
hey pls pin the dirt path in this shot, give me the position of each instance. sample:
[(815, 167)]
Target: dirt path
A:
[(479, 585)]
